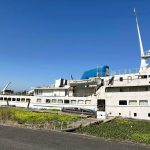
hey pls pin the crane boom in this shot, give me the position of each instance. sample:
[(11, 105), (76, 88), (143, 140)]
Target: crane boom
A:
[(3, 91)]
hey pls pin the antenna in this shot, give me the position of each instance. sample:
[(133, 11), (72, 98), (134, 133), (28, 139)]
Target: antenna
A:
[(143, 60), (138, 29)]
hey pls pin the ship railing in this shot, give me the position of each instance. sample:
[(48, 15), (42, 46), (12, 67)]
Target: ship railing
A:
[(124, 71), (55, 125)]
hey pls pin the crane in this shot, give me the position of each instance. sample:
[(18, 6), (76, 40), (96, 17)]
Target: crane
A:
[(4, 89)]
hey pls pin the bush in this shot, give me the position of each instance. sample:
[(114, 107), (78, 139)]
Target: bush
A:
[(22, 116), (5, 114), (121, 129)]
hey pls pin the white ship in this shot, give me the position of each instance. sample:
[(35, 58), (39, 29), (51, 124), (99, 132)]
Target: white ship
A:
[(126, 95)]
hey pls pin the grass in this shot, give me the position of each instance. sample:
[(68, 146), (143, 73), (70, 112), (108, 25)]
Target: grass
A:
[(23, 116), (121, 129)]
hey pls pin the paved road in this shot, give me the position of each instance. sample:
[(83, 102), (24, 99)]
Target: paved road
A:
[(26, 139)]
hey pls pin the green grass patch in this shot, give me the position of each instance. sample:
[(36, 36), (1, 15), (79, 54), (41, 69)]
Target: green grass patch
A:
[(23, 116), (121, 129)]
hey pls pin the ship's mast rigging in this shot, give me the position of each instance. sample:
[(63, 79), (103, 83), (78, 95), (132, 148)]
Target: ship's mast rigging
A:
[(144, 57)]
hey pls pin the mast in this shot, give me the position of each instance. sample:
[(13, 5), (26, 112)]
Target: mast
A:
[(143, 58)]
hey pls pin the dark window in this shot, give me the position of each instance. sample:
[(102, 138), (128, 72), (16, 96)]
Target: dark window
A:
[(9, 99), (5, 98), (121, 78), (13, 99), (23, 99), (112, 89), (18, 99), (135, 114), (54, 101), (101, 104), (122, 102), (47, 100), (144, 76), (119, 114), (66, 101), (121, 89), (1, 98), (148, 114)]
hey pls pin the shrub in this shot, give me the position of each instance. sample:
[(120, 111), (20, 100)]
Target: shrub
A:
[(121, 129)]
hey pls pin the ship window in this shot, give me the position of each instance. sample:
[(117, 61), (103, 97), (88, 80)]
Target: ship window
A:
[(121, 78), (60, 101), (38, 92), (134, 89), (5, 98), (146, 88), (129, 79), (54, 100), (124, 89), (18, 99), (28, 100), (148, 114), (142, 76), (143, 102), (132, 102), (135, 114), (122, 102), (143, 88), (87, 102), (13, 99), (9, 99), (112, 89), (121, 89), (73, 101), (80, 101), (48, 100), (119, 114), (38, 100), (1, 98), (23, 99), (66, 101)]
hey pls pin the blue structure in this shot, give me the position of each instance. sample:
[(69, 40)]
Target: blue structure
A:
[(96, 72)]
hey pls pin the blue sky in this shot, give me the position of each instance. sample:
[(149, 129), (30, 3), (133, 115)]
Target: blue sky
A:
[(42, 40)]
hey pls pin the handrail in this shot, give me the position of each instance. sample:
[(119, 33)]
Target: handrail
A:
[(125, 71)]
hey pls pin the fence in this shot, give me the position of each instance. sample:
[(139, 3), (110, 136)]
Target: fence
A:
[(125, 71), (53, 125)]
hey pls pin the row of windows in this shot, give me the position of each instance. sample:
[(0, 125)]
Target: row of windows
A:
[(134, 102), (38, 92), (61, 101), (135, 114), (128, 89), (139, 77), (15, 99)]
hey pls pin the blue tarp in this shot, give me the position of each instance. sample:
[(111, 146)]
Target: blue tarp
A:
[(100, 71)]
